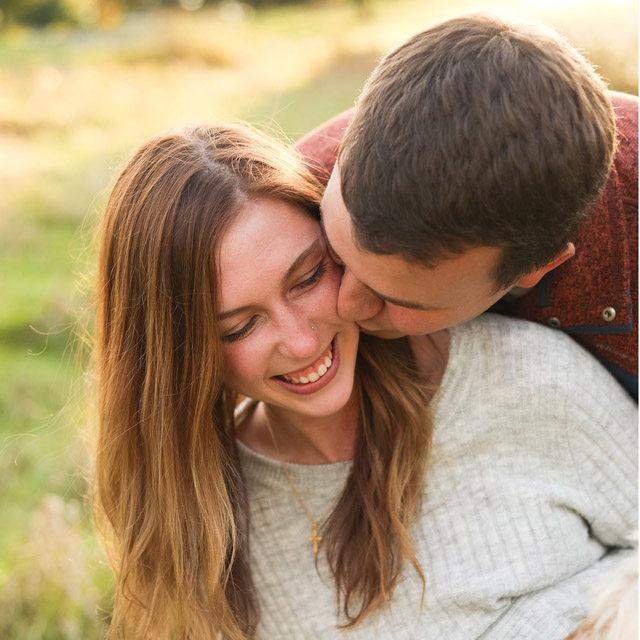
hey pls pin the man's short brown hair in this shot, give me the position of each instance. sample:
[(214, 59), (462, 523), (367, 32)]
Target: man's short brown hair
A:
[(477, 132)]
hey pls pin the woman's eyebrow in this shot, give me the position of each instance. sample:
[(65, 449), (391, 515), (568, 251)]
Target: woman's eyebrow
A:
[(295, 265), (327, 243), (312, 248)]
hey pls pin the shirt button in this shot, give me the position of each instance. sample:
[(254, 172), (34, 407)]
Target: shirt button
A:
[(608, 314), (554, 322)]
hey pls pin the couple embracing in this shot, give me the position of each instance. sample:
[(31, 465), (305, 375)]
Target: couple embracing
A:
[(308, 427)]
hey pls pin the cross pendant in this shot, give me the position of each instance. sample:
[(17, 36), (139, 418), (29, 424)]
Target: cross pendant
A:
[(315, 538)]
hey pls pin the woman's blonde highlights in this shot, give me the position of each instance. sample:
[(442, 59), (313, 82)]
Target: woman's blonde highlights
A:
[(170, 495)]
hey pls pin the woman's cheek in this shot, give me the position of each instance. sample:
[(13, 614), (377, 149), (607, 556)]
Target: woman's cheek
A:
[(240, 363)]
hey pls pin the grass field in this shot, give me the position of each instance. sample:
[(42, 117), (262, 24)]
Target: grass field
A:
[(73, 107)]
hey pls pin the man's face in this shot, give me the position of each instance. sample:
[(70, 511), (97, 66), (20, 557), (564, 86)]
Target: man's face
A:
[(390, 297)]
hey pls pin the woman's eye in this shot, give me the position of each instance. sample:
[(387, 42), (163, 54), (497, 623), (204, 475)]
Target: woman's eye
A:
[(240, 333), (314, 277)]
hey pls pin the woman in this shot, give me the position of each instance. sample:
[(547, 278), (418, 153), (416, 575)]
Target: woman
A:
[(305, 512)]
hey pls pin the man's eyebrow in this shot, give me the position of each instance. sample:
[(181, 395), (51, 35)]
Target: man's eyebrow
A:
[(401, 303), (295, 265)]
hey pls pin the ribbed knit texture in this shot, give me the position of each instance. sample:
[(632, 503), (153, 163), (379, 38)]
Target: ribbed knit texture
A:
[(532, 480)]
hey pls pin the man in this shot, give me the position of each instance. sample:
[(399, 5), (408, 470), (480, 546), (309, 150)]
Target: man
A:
[(482, 166)]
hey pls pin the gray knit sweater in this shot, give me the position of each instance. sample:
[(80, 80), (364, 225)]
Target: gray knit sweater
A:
[(531, 483)]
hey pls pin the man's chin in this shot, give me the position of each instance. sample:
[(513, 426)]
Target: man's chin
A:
[(385, 334)]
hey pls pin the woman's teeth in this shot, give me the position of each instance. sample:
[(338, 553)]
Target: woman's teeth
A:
[(313, 373)]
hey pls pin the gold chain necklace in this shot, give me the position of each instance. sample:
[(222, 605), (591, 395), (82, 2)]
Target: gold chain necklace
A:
[(315, 538)]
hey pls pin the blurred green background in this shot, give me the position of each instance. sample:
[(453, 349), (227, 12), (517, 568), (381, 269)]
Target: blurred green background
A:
[(83, 83)]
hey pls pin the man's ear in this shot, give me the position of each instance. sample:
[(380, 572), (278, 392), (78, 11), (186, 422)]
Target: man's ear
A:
[(531, 279)]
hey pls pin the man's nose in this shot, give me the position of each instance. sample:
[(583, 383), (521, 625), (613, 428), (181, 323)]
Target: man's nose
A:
[(355, 301)]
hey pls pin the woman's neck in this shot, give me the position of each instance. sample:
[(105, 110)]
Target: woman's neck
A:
[(291, 437)]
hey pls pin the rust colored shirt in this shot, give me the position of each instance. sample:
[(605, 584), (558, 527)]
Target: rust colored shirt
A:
[(594, 296)]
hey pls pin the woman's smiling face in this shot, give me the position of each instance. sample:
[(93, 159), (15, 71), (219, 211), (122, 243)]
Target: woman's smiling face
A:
[(284, 342)]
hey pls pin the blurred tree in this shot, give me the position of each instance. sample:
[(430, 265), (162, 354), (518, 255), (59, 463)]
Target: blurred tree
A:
[(37, 13), (41, 13)]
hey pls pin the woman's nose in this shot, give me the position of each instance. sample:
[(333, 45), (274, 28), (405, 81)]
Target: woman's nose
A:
[(355, 301), (299, 336)]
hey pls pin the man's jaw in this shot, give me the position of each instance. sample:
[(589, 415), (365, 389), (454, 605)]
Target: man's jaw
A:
[(387, 334)]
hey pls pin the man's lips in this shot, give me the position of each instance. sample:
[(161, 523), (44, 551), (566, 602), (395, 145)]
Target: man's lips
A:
[(365, 330)]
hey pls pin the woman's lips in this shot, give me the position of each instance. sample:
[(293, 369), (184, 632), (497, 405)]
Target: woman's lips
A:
[(302, 388), (314, 371)]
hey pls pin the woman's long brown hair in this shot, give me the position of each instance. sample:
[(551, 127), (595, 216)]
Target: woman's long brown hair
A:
[(170, 495)]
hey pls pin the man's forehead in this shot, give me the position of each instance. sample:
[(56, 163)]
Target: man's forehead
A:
[(332, 199)]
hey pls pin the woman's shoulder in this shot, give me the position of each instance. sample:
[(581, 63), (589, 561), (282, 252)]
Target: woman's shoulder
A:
[(512, 351), (512, 336), (535, 379)]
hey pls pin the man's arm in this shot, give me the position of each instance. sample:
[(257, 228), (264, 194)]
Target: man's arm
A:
[(320, 146)]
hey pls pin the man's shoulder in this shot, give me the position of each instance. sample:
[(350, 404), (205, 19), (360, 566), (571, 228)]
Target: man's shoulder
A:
[(602, 273), (625, 106), (608, 238), (319, 147), (624, 175)]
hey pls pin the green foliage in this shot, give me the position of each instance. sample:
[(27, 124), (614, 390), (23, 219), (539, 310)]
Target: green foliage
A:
[(57, 580), (75, 105), (42, 13), (37, 13)]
